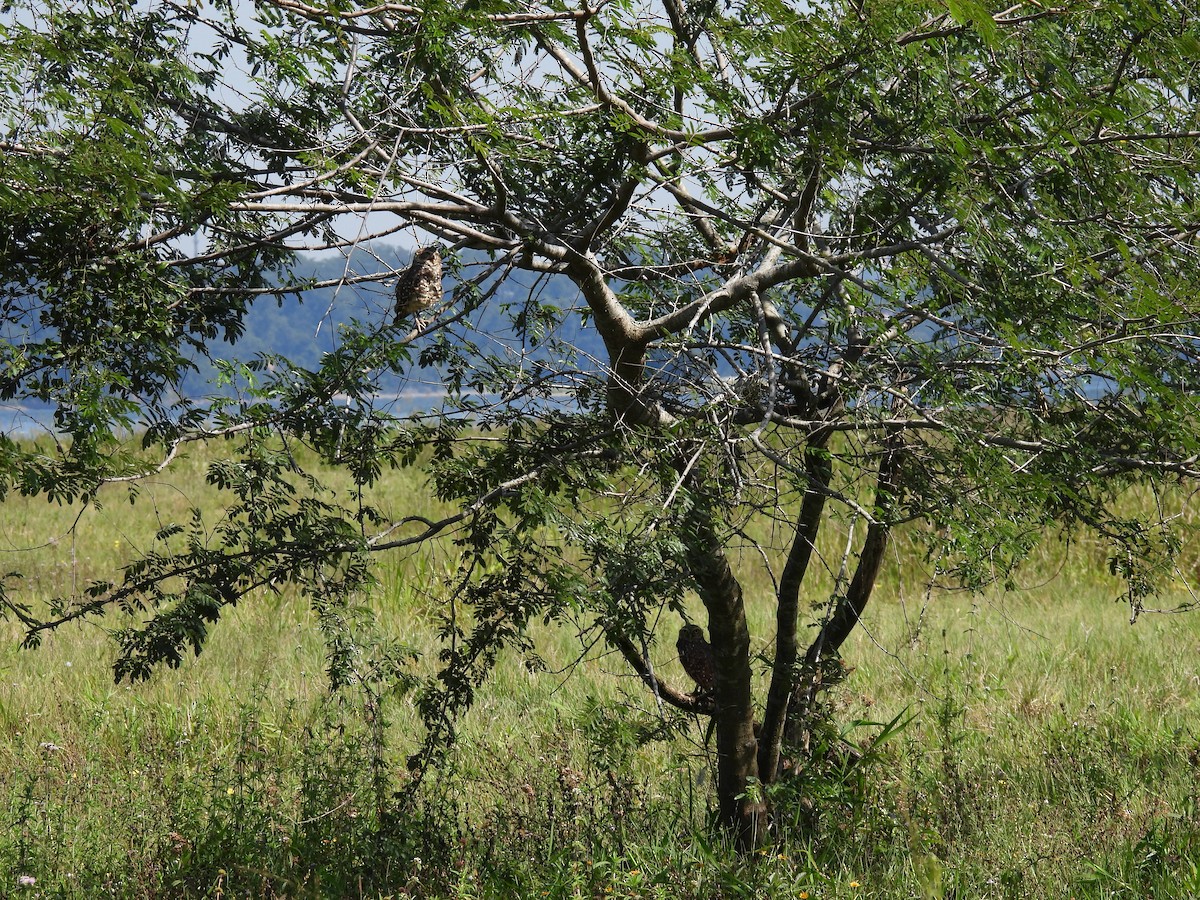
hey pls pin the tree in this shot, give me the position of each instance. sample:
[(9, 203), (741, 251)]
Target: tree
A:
[(917, 264)]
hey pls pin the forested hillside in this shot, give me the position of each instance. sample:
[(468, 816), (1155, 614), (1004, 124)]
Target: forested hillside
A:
[(304, 327)]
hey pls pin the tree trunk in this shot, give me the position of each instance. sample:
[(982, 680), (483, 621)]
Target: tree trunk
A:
[(850, 606), (787, 613), (741, 807)]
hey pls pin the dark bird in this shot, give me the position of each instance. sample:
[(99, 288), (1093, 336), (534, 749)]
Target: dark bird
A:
[(420, 285), (696, 656)]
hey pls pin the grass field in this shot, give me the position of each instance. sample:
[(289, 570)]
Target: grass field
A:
[(1048, 749)]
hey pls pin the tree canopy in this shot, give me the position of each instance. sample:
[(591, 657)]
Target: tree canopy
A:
[(912, 263)]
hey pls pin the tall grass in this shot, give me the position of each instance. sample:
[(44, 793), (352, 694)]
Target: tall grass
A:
[(1043, 747)]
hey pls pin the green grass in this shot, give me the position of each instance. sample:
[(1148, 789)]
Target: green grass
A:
[(1050, 750)]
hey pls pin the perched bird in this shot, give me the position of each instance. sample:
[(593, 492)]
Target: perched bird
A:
[(420, 285), (696, 656)]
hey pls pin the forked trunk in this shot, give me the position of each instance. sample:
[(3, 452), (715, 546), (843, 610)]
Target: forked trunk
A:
[(803, 680)]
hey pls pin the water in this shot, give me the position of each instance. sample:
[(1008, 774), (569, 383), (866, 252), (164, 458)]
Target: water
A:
[(26, 421)]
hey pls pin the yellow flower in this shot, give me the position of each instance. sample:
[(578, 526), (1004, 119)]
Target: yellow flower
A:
[(854, 884), (803, 895)]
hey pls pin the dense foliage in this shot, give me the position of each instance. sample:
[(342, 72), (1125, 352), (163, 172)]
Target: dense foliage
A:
[(894, 262)]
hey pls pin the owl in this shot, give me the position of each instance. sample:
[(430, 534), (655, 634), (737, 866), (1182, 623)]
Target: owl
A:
[(420, 285), (696, 655)]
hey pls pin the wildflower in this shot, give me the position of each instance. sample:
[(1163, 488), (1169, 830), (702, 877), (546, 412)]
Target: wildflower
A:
[(854, 884), (26, 880), (803, 895), (229, 791)]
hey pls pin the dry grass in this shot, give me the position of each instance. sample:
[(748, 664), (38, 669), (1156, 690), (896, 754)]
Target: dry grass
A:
[(1052, 751)]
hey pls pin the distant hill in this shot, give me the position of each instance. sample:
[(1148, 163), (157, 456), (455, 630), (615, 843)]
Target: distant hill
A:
[(304, 328)]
